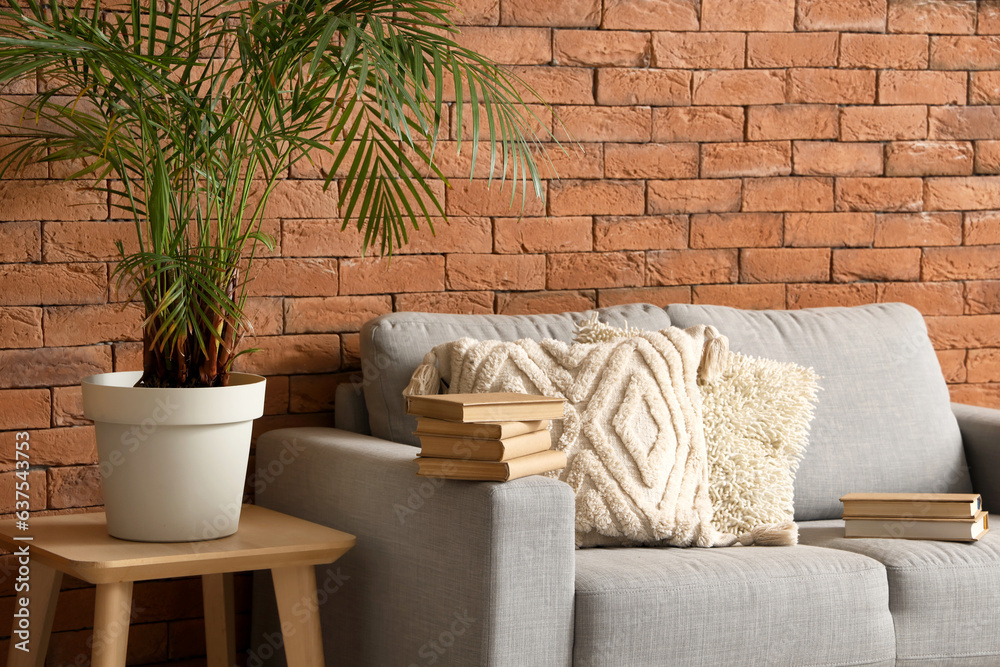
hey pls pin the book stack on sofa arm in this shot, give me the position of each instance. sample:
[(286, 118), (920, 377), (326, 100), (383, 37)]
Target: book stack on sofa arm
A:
[(954, 517), (486, 437)]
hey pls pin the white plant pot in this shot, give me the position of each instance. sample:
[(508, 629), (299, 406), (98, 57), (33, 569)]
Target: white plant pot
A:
[(173, 461)]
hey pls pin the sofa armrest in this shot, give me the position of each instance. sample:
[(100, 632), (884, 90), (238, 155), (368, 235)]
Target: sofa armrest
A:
[(444, 572), (981, 437)]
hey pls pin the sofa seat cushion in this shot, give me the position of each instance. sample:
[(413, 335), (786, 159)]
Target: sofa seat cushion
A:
[(742, 606), (393, 345), (884, 420), (942, 595)]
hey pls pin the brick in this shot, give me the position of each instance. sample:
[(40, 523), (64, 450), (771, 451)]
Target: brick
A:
[(532, 303), (965, 53), (557, 85), (74, 486), (691, 267), (663, 232), (747, 297), (968, 263), (67, 407), (952, 365), (415, 273), (313, 393), (650, 15), (89, 325), (985, 395), (981, 228), (36, 490), (879, 194), (631, 86), (455, 234), (63, 201), (824, 296), (596, 198), (921, 87), (588, 270), (20, 327), (478, 198), (824, 158), (753, 86), (789, 49), (884, 51), (501, 272), (475, 12), (573, 160), (462, 303), (765, 15), (917, 229), (50, 284), (24, 408), (983, 365), (831, 86), (987, 157), (892, 123), (988, 22), (698, 124), (984, 87), (292, 354), (508, 46), (736, 230), (932, 16), (793, 121), (928, 298), (694, 196), (853, 15), (699, 50), (334, 314), (782, 265), (20, 242), (968, 331), (302, 199), (788, 194), (127, 356), (52, 366), (658, 296), (963, 193), (982, 297), (564, 14), (265, 315), (756, 158), (888, 264), (55, 447), (294, 277), (829, 230), (929, 158), (587, 48), (534, 235), (603, 124), (319, 238), (672, 160), (87, 241), (980, 122)]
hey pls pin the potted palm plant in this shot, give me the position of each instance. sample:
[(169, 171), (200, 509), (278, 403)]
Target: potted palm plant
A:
[(188, 115)]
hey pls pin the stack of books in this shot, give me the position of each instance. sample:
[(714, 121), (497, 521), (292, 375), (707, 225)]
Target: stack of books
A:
[(485, 437), (951, 517)]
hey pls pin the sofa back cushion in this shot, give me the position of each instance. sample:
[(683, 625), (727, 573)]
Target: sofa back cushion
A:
[(393, 345), (884, 420)]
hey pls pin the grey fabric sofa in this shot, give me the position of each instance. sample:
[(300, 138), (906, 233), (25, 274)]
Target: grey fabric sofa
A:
[(462, 573)]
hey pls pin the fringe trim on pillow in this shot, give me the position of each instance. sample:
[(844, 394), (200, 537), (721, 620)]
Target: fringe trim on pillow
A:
[(426, 379), (785, 534), (713, 362)]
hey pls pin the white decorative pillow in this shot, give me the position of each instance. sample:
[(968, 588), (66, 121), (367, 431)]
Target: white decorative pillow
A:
[(632, 434), (756, 421)]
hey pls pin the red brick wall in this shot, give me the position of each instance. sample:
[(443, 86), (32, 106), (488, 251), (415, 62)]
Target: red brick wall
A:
[(768, 154)]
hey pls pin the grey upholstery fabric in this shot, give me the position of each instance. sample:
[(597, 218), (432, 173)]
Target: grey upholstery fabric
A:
[(393, 345), (884, 420), (981, 435), (444, 572), (942, 595), (349, 410), (737, 606)]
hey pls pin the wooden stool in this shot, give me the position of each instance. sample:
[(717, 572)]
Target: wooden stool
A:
[(79, 545)]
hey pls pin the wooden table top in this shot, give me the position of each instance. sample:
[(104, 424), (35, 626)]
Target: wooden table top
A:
[(79, 544)]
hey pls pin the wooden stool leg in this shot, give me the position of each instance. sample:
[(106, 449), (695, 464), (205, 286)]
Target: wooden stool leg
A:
[(220, 619), (42, 594), (111, 619), (295, 589)]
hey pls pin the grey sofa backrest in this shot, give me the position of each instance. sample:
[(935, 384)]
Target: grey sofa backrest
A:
[(392, 346), (884, 421)]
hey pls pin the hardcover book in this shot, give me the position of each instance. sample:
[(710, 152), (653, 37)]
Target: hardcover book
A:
[(488, 407), (438, 446), (484, 430), (948, 530), (917, 505), (492, 471)]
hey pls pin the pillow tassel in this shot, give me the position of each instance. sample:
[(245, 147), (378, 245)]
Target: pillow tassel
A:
[(784, 534), (713, 363), (426, 379)]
